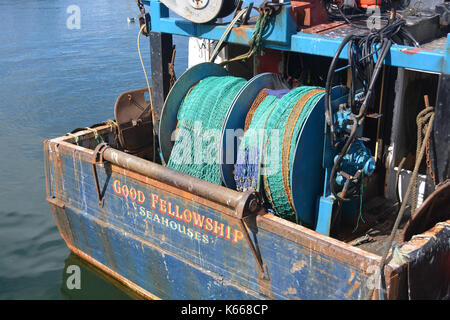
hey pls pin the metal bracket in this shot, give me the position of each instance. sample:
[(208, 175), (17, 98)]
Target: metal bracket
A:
[(255, 254), (251, 206), (97, 158)]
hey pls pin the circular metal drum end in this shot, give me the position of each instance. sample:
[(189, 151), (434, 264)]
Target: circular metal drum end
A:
[(307, 170), (168, 121), (235, 121), (201, 11)]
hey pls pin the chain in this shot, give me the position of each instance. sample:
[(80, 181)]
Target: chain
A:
[(141, 7), (272, 8), (430, 167), (428, 147), (142, 17), (173, 77)]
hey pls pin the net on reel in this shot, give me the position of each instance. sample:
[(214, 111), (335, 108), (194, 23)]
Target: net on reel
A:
[(268, 146), (200, 120), (278, 125)]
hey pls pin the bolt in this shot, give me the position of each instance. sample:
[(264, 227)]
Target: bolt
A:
[(253, 205)]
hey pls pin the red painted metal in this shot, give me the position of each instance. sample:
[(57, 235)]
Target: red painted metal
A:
[(271, 61), (308, 13)]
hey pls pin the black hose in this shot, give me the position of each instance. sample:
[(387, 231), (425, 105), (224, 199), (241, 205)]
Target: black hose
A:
[(361, 52), (359, 119), (329, 83)]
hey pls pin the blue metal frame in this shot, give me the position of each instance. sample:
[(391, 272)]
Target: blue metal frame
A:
[(283, 36)]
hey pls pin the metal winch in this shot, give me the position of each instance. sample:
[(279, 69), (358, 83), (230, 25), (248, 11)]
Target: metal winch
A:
[(284, 158)]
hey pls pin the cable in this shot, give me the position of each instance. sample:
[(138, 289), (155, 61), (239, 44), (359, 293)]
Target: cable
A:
[(329, 82), (142, 64), (361, 52), (150, 96), (226, 33)]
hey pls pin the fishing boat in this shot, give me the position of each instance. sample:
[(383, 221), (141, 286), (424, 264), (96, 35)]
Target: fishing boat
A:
[(328, 222)]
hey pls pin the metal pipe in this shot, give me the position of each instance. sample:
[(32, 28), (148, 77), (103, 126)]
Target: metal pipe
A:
[(221, 195)]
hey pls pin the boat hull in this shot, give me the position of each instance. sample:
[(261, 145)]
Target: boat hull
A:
[(170, 243)]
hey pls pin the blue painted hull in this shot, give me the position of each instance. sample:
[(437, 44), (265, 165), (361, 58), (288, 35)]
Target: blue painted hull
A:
[(168, 243)]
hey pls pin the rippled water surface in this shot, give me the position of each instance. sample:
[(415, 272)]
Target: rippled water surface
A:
[(53, 80)]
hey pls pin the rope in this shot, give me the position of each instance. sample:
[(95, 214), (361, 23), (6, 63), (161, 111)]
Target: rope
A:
[(422, 118), (259, 98), (114, 129), (400, 257), (96, 135), (226, 34), (279, 124), (255, 42), (443, 224), (292, 121), (112, 124), (403, 207), (143, 66), (424, 236), (76, 138)]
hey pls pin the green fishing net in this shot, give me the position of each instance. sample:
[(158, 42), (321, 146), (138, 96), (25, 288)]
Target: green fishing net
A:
[(201, 117), (266, 149), (274, 131), (277, 125)]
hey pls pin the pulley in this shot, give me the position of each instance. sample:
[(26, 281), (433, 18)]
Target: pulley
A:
[(201, 11)]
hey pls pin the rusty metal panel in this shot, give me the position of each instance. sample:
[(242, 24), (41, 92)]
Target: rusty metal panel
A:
[(429, 263)]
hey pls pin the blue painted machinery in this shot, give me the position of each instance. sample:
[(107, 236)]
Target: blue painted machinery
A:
[(331, 157)]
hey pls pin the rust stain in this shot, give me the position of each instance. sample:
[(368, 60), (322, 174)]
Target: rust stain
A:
[(325, 28), (414, 50), (352, 276), (352, 289), (298, 266), (316, 242), (62, 224), (171, 190), (290, 291), (241, 33), (47, 171), (420, 240)]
